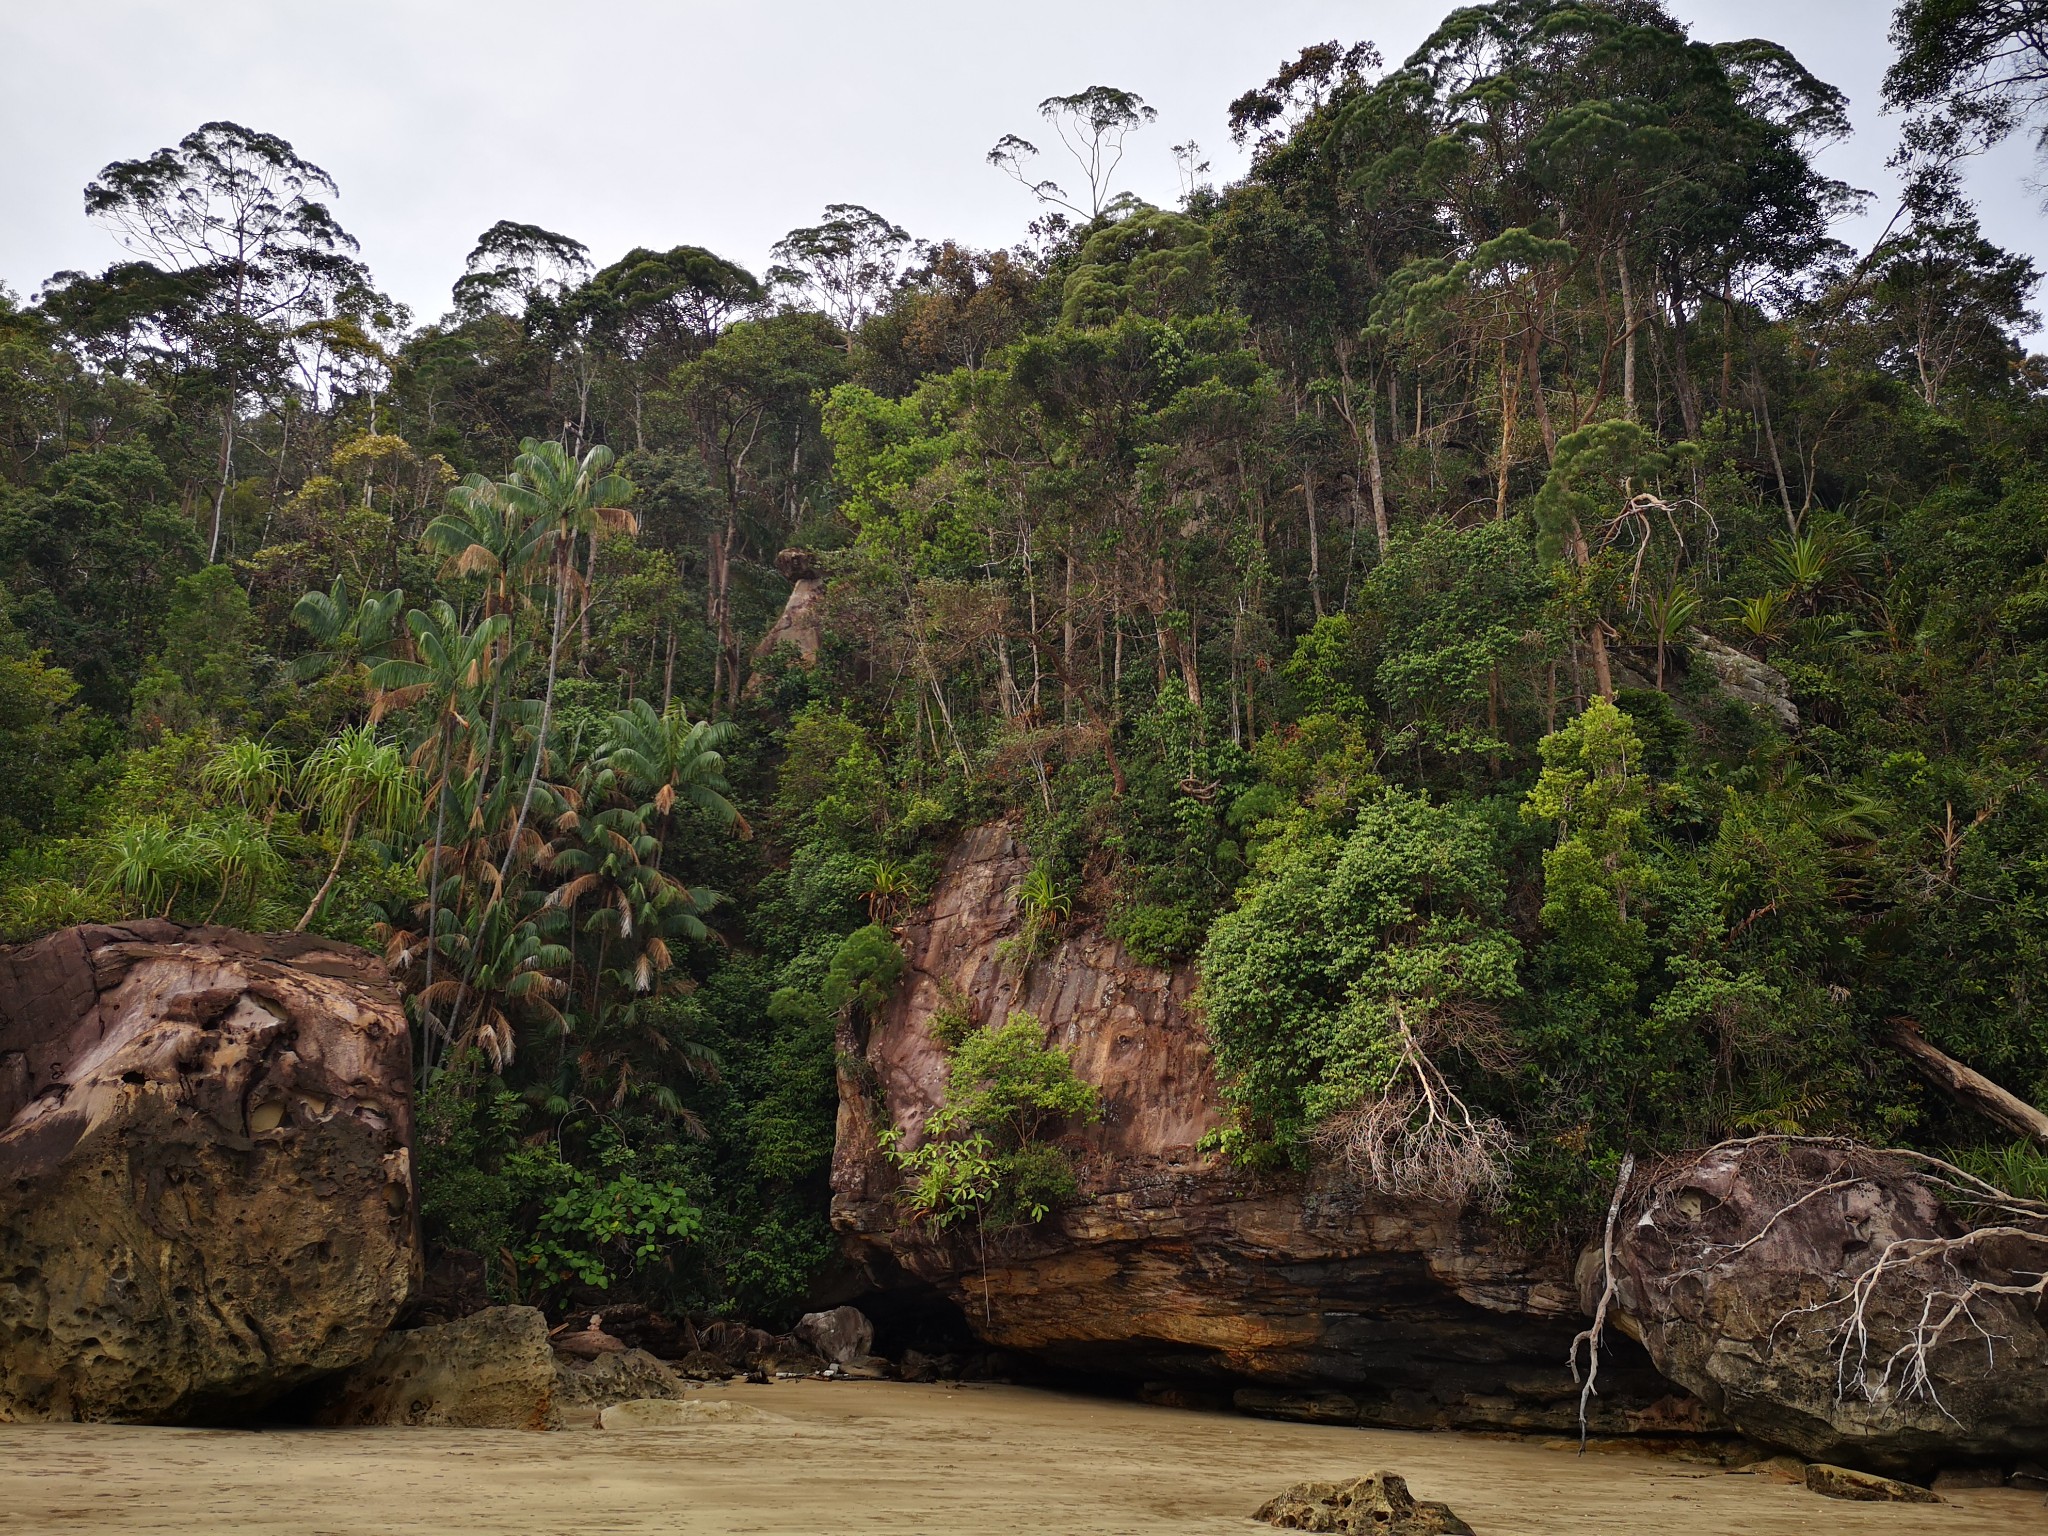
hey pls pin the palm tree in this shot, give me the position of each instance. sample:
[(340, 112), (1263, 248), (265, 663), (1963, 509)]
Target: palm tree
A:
[(239, 853), (343, 636), (448, 668), (1666, 618), (890, 885), (670, 757), (512, 975), (483, 533), (351, 781), (148, 863), (574, 497)]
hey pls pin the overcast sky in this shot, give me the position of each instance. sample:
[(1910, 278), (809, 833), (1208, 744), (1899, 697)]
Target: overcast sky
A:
[(663, 122)]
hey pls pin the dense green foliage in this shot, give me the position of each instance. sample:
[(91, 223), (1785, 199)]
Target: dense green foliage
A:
[(1366, 580)]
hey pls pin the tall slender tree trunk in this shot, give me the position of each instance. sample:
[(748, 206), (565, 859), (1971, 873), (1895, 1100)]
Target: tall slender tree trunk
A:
[(1509, 398), (1315, 555), (227, 475), (1533, 361), (540, 741), (1628, 336), (1067, 682), (1376, 478)]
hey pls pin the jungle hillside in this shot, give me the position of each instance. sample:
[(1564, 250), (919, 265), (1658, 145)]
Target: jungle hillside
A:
[(1550, 634)]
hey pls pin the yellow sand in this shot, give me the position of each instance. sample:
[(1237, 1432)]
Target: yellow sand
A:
[(886, 1457)]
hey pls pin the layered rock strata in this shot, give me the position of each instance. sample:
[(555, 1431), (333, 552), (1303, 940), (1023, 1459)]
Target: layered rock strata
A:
[(1307, 1297), (206, 1188)]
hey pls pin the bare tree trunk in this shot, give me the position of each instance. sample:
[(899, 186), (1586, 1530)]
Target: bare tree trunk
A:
[(1376, 478), (1315, 553), (1968, 1087), (1067, 647), (1763, 412), (1628, 336), (227, 474), (1533, 362), (1509, 397), (348, 831)]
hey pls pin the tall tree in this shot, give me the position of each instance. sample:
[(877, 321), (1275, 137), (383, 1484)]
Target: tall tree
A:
[(251, 257)]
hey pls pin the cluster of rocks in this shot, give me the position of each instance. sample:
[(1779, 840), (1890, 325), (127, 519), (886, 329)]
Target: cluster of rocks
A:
[(503, 1368)]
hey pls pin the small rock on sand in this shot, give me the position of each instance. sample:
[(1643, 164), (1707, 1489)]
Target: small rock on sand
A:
[(666, 1413), (1846, 1483), (1380, 1504)]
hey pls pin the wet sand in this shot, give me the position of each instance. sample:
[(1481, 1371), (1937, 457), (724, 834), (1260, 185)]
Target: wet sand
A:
[(888, 1457)]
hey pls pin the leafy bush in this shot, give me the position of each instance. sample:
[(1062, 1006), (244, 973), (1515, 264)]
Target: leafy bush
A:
[(983, 1154)]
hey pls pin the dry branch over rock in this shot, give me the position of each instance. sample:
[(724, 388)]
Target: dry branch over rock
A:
[(1853, 1304)]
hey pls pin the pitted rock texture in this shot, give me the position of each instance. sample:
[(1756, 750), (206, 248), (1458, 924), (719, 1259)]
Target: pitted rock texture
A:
[(1378, 1505), (206, 1188), (1310, 1298), (1738, 1270), (491, 1370)]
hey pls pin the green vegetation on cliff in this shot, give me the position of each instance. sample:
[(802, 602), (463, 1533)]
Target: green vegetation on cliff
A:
[(1555, 635)]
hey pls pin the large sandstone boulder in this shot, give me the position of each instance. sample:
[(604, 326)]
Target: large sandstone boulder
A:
[(492, 1370), (1849, 1304), (206, 1192), (1310, 1298), (843, 1336)]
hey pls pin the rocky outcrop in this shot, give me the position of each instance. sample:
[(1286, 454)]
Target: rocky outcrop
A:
[(1379, 1505), (1742, 677), (1834, 1300), (492, 1370), (801, 624), (206, 1192), (585, 1388), (1309, 1298)]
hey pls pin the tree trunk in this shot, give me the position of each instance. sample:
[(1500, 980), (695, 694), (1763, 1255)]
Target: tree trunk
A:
[(1315, 552), (227, 475), (1533, 362), (1509, 396), (348, 832), (1376, 477), (1967, 1086), (1628, 337), (1067, 646)]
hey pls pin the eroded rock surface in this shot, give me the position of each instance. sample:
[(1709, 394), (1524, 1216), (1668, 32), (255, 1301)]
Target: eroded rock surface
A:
[(1315, 1298), (843, 1336), (491, 1370), (1379, 1505), (1740, 1272), (585, 1388), (206, 1190)]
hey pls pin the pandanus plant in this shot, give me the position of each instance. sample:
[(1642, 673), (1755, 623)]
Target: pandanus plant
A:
[(352, 782)]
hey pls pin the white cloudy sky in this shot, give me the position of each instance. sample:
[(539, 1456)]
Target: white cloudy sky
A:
[(659, 122)]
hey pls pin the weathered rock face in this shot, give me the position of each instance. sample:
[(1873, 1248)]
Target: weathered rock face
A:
[(842, 1336), (492, 1370), (1741, 1272), (1312, 1298), (802, 621), (206, 1192)]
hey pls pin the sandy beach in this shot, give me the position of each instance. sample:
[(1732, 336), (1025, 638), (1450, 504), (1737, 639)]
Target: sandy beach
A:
[(888, 1457)]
